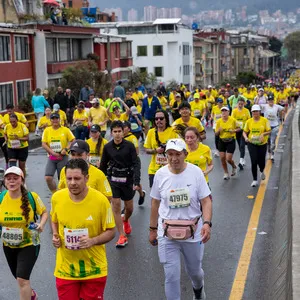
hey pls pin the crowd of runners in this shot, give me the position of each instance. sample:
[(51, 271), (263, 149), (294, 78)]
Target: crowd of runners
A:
[(95, 155)]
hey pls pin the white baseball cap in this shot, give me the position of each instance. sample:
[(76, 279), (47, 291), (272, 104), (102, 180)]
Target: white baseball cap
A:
[(225, 108), (14, 170), (261, 90), (209, 87), (255, 107), (176, 144), (95, 101)]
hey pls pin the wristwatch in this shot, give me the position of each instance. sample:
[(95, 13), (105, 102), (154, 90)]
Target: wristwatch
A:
[(208, 223)]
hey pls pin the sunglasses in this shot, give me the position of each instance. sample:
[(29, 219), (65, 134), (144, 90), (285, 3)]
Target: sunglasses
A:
[(159, 118)]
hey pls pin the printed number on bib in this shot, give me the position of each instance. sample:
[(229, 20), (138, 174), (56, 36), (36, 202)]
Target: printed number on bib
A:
[(15, 143), (94, 160), (134, 126), (56, 146), (218, 117), (12, 236), (197, 113), (118, 179), (179, 198), (240, 124), (161, 159), (271, 117), (72, 237), (255, 139)]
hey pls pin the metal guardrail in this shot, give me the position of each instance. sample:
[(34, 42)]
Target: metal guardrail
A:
[(32, 121)]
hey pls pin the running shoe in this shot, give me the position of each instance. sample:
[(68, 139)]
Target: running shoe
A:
[(234, 171), (254, 183), (35, 296), (142, 198), (199, 294), (262, 176), (123, 212), (242, 161), (272, 158), (226, 176), (241, 167), (217, 153), (122, 241), (126, 227)]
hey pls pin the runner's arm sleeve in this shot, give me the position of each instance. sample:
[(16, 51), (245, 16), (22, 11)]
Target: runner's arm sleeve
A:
[(136, 166), (104, 161)]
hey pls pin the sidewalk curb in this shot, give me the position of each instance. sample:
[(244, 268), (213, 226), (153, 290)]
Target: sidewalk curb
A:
[(296, 205)]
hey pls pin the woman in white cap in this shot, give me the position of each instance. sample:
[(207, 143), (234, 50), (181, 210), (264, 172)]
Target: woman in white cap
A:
[(136, 122), (256, 132), (226, 129), (18, 209), (180, 221)]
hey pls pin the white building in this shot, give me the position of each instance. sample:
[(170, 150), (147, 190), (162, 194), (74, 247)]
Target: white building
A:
[(132, 15), (163, 13), (150, 13), (163, 47), (175, 12)]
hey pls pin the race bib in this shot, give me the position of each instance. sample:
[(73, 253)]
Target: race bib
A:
[(271, 117), (78, 123), (161, 159), (197, 113), (118, 179), (134, 126), (94, 160), (56, 146), (72, 237), (218, 117), (240, 124), (179, 198), (255, 139), (12, 236), (15, 143)]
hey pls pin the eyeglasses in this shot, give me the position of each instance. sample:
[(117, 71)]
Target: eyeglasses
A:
[(159, 118)]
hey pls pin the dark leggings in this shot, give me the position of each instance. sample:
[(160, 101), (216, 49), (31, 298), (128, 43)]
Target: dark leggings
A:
[(138, 134), (4, 148), (241, 142), (217, 138), (258, 158)]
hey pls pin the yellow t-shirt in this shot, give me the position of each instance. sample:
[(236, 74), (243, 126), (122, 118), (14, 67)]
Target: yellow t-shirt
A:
[(137, 96), (83, 117), (62, 116), (95, 158), (99, 115), (241, 116), (230, 124), (256, 128), (1, 129), (163, 102), (158, 160), (43, 121), (131, 138), (171, 99), (193, 122), (97, 180), (20, 131), (21, 118), (11, 217), (150, 101), (123, 117), (200, 158), (57, 139), (93, 214), (197, 108), (139, 108), (216, 111)]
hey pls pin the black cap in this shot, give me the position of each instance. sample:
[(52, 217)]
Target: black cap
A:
[(80, 146), (95, 128), (54, 115), (184, 104), (271, 96), (236, 90)]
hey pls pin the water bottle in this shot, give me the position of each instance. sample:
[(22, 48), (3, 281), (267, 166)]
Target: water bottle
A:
[(35, 236)]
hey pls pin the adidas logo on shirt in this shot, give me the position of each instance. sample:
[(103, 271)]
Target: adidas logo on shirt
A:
[(90, 218)]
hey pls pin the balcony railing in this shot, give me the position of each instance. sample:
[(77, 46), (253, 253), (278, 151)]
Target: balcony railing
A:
[(126, 62), (59, 67)]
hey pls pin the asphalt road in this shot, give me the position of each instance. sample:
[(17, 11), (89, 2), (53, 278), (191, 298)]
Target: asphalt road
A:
[(135, 272)]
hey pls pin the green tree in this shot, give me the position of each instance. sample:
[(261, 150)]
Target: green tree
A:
[(275, 44), (246, 78), (76, 77), (292, 44), (137, 76)]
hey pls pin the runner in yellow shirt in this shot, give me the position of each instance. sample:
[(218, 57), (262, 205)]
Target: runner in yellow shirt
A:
[(62, 114), (19, 209), (116, 114), (16, 135), (10, 109), (56, 141), (80, 121), (2, 141), (198, 108), (198, 153), (97, 180), (256, 134), (98, 115), (226, 129), (82, 223), (137, 95), (216, 114), (96, 143), (45, 120), (163, 101), (241, 114)]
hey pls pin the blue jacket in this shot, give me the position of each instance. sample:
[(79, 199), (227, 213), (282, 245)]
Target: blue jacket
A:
[(148, 112), (119, 92), (39, 103)]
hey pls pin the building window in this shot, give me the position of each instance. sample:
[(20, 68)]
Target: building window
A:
[(5, 48), (116, 50), (142, 51), (123, 50), (23, 88), (158, 71), (143, 70), (186, 70), (6, 95), (21, 48), (245, 51), (77, 49), (64, 50), (70, 3), (51, 49), (186, 50), (53, 83), (158, 51)]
